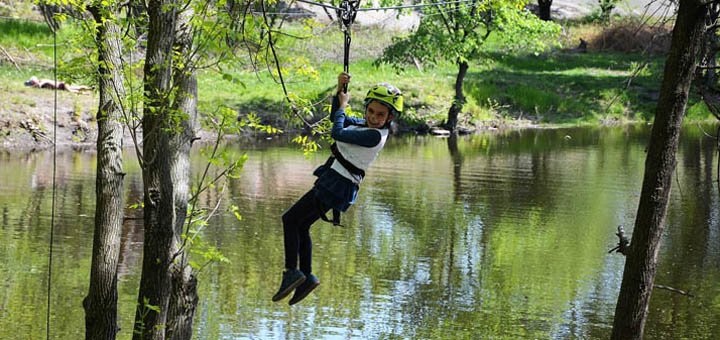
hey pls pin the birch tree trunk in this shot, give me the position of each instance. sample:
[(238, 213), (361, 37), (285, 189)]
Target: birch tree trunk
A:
[(101, 302), (641, 263), (183, 296)]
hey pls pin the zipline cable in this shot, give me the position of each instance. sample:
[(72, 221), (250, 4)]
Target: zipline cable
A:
[(54, 170), (320, 4), (442, 3)]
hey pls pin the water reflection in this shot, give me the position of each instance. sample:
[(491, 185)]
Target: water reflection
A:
[(503, 235)]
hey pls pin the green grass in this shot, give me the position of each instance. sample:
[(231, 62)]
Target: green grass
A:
[(24, 35), (554, 88), (697, 111), (568, 88)]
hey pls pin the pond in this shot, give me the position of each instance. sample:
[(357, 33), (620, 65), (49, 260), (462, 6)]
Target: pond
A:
[(501, 234)]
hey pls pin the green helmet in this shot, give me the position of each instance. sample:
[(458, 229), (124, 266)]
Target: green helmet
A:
[(388, 95)]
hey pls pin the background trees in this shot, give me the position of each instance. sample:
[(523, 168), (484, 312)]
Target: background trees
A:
[(606, 8), (102, 22), (170, 123), (457, 33)]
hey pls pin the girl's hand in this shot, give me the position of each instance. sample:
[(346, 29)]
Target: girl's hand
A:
[(343, 98), (343, 78)]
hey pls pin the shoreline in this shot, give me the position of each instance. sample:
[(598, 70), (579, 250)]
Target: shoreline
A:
[(27, 143)]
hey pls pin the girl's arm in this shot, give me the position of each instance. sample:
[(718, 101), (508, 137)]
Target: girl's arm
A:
[(348, 120), (339, 132), (365, 137)]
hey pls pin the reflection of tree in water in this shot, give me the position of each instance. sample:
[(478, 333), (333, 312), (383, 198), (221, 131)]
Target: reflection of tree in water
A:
[(5, 218), (32, 212), (457, 160), (690, 255), (529, 176), (131, 236)]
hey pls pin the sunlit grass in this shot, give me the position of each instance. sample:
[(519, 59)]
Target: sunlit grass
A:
[(557, 87)]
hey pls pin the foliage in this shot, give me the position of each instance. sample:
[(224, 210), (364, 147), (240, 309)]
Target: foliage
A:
[(523, 33), (606, 7), (457, 33), (632, 35), (145, 309), (576, 78)]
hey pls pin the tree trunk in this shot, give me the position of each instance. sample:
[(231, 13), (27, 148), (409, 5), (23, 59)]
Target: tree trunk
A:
[(606, 8), (183, 302), (544, 9), (641, 263), (183, 297), (159, 210), (710, 49), (459, 99), (101, 302)]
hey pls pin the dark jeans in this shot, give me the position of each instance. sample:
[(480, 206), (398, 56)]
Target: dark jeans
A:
[(296, 226)]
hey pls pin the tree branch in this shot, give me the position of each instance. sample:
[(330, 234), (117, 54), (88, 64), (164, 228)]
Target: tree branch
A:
[(277, 65), (623, 242), (445, 19), (674, 290), (10, 58)]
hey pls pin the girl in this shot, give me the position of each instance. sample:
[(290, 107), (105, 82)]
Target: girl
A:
[(357, 144)]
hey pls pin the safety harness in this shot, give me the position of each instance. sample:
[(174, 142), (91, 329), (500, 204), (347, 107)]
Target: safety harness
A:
[(337, 156)]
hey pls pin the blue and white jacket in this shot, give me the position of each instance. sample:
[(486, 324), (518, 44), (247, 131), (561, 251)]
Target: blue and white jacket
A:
[(336, 187)]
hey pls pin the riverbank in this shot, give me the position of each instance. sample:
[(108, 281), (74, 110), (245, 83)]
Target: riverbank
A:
[(602, 84), (559, 89)]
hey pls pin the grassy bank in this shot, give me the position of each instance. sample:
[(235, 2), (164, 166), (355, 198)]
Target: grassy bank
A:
[(559, 87)]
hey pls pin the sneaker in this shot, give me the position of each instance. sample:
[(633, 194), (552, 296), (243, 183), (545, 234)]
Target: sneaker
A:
[(304, 289), (291, 279)]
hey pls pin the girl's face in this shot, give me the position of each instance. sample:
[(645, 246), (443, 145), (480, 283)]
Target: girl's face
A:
[(377, 115)]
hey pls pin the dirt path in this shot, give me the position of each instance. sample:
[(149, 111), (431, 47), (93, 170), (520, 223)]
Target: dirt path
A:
[(562, 9), (26, 118), (579, 8)]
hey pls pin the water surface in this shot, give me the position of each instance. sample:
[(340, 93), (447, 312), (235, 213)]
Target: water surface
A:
[(498, 235)]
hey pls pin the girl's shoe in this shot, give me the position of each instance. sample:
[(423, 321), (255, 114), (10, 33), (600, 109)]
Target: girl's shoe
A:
[(292, 278), (304, 289)]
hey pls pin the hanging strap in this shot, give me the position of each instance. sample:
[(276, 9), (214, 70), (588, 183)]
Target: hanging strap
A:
[(347, 13), (335, 218)]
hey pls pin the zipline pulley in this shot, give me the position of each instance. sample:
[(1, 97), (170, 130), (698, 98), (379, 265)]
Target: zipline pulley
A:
[(346, 13)]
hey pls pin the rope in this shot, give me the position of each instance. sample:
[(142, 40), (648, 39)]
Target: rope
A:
[(279, 70), (54, 170)]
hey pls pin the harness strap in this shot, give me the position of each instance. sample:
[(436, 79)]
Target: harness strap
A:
[(345, 163), (335, 215)]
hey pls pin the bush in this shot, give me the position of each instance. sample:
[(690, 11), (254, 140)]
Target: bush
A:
[(632, 35)]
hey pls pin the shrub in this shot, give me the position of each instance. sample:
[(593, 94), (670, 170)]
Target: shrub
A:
[(632, 35)]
